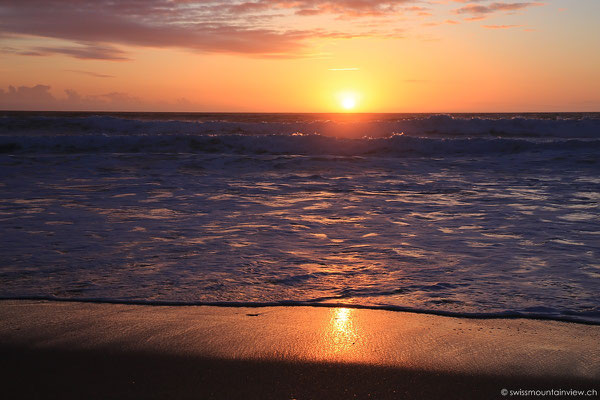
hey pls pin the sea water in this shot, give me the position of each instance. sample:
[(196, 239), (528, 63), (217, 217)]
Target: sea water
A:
[(495, 214)]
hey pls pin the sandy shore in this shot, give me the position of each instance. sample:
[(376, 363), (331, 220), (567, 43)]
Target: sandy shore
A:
[(86, 350)]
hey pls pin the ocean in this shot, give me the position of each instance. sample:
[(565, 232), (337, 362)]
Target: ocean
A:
[(455, 214)]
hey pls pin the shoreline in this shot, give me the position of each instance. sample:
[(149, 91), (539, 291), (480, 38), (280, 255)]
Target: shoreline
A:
[(239, 304), (82, 349)]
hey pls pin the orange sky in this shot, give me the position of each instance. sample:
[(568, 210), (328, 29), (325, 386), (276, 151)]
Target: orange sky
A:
[(300, 56)]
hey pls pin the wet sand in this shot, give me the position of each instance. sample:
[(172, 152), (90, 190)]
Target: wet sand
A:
[(98, 351)]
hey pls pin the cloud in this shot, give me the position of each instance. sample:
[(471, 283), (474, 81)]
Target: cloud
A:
[(83, 52), (102, 29), (23, 95), (89, 73), (345, 8), (446, 22), (479, 11), (500, 26), (39, 97), (99, 27)]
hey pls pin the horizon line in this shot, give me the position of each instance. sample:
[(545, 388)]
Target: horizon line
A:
[(296, 112)]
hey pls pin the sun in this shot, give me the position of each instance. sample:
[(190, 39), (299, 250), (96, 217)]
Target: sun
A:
[(348, 101)]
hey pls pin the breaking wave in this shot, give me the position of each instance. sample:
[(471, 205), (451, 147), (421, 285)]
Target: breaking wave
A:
[(394, 146), (430, 126)]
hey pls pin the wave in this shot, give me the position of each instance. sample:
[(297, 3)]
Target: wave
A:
[(431, 126), (587, 318), (394, 146)]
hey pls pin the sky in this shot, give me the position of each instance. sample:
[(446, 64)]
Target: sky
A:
[(300, 55)]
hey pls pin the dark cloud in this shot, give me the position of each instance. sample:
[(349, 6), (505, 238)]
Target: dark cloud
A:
[(84, 52), (23, 95), (99, 29), (207, 26), (39, 97), (81, 51)]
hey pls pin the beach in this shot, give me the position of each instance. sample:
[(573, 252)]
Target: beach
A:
[(297, 200), (91, 350), (260, 256)]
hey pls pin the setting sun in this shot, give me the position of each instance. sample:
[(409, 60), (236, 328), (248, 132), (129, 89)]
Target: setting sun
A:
[(348, 101)]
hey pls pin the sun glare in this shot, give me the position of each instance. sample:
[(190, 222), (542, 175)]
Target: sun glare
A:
[(348, 101)]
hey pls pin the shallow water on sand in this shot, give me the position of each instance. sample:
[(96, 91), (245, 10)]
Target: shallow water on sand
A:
[(478, 231)]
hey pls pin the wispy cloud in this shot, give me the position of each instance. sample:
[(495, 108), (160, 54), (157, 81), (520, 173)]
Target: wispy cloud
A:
[(83, 52), (89, 73), (478, 11), (500, 26), (446, 22)]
